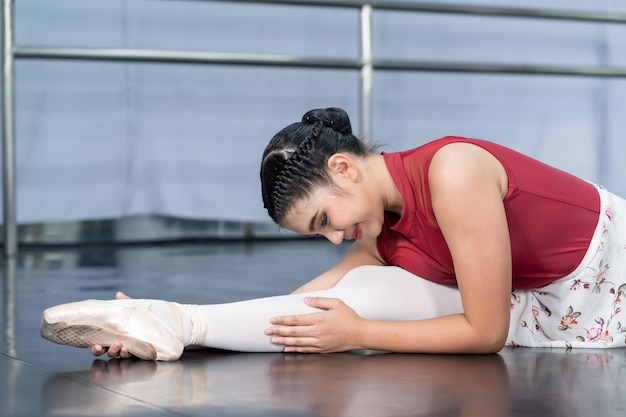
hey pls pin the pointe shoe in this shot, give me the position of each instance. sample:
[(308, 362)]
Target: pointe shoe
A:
[(95, 322)]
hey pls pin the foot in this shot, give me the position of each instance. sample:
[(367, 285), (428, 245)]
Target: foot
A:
[(131, 323)]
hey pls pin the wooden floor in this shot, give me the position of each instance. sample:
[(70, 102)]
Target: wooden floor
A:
[(38, 378)]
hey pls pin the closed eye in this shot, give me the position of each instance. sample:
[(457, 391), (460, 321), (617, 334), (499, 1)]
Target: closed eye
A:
[(324, 221)]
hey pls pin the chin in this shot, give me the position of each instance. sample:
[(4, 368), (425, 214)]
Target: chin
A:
[(376, 230)]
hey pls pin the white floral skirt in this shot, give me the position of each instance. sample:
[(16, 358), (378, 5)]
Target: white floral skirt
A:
[(585, 309)]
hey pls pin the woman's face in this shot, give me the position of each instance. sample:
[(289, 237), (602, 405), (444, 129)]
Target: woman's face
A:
[(337, 213)]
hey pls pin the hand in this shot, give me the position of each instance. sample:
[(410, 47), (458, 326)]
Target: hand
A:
[(116, 349), (333, 330)]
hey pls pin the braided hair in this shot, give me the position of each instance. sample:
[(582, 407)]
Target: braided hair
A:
[(294, 162)]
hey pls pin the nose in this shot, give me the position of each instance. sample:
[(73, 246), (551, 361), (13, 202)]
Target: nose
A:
[(335, 236)]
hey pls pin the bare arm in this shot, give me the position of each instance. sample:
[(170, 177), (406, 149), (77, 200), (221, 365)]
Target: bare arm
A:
[(362, 252), (467, 187)]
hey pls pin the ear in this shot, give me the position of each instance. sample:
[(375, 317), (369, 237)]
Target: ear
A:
[(342, 166)]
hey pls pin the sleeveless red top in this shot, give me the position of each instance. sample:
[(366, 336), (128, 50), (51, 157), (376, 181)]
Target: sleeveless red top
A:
[(551, 217)]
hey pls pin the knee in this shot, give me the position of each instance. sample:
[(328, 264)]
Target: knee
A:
[(369, 275)]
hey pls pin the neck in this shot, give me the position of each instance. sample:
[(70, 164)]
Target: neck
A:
[(381, 177)]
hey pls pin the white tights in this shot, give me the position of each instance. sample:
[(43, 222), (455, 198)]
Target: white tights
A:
[(373, 292)]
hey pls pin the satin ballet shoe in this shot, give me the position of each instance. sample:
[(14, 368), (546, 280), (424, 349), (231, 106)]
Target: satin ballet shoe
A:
[(95, 322)]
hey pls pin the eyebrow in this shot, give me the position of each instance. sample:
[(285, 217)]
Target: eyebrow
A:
[(312, 222)]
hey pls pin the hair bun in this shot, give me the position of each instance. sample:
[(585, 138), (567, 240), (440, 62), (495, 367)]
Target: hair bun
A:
[(333, 117)]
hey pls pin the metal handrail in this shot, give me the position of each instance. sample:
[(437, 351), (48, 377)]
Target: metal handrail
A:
[(365, 63), (449, 8), (277, 60)]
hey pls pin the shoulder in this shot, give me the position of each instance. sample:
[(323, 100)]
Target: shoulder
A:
[(465, 154), (463, 164)]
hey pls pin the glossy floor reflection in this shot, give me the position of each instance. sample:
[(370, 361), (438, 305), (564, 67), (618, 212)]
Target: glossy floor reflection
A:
[(38, 378)]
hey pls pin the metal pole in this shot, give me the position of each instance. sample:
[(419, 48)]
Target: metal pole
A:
[(182, 57), (219, 58), (8, 132), (367, 73), (494, 68), (9, 296), (462, 9)]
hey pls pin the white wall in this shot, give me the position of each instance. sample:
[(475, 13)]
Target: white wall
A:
[(103, 140)]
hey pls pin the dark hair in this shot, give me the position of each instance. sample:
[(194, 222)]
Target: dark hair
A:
[(294, 161)]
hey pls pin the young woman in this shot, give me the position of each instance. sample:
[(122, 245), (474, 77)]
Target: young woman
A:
[(461, 245)]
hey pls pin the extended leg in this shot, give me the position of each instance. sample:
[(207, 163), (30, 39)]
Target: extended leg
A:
[(155, 329), (374, 292)]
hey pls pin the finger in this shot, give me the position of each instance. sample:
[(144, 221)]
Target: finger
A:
[(121, 296), (309, 343), (97, 350), (124, 353), (302, 349), (114, 350), (298, 320), (291, 331), (322, 302)]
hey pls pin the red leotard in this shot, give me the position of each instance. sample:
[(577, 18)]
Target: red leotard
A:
[(551, 217)]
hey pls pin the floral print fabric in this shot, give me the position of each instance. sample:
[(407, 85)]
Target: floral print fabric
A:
[(587, 308)]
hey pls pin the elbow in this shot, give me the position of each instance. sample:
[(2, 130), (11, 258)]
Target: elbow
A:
[(490, 335), (493, 347), (491, 342)]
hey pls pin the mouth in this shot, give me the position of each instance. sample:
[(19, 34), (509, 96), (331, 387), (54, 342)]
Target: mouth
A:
[(356, 232)]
